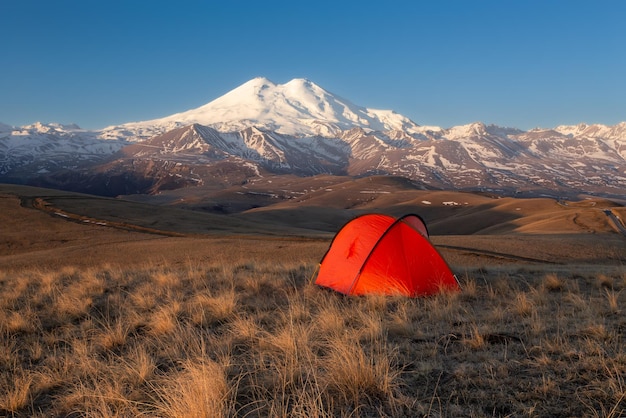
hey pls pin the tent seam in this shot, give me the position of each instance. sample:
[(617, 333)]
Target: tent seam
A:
[(356, 278)]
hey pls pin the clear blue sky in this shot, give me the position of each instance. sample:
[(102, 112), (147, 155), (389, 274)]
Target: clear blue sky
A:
[(520, 63)]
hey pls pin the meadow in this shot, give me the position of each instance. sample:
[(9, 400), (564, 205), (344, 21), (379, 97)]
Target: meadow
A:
[(260, 339), (109, 322)]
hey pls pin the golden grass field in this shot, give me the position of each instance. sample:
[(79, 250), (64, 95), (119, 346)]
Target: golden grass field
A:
[(112, 308)]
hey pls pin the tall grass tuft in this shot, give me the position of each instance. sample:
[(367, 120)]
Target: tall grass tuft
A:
[(17, 392), (200, 389), (360, 377), (612, 298), (553, 283)]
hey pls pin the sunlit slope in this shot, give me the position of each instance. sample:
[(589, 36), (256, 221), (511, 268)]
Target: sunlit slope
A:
[(445, 212), (469, 229)]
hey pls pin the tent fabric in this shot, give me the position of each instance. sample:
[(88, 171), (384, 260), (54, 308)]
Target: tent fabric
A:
[(378, 254)]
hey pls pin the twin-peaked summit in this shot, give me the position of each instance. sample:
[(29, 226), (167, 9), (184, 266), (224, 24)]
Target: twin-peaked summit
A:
[(298, 107)]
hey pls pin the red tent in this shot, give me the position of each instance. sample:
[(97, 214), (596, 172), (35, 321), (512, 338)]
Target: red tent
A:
[(378, 254)]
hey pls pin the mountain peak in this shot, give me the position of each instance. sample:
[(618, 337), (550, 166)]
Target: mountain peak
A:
[(298, 107), (304, 83), (261, 80), (471, 129), (300, 81), (255, 85)]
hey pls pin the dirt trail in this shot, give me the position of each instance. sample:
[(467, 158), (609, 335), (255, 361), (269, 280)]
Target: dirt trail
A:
[(494, 254), (40, 203)]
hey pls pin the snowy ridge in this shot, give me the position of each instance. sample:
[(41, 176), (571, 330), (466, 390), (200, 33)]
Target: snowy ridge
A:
[(298, 127), (596, 131), (50, 147)]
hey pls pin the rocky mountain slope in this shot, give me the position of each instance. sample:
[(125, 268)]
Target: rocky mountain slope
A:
[(262, 128)]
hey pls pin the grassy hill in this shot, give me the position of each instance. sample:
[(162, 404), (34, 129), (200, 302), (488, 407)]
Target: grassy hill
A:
[(118, 308)]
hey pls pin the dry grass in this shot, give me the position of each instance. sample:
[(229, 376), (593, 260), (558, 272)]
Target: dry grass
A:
[(259, 339), (200, 389), (200, 327)]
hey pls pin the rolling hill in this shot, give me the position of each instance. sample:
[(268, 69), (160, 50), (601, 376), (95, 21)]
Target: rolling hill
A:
[(51, 228)]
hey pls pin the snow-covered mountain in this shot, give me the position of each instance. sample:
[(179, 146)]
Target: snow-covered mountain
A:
[(43, 148), (261, 128), (297, 108)]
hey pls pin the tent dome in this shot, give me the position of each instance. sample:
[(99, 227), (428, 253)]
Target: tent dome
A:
[(378, 254)]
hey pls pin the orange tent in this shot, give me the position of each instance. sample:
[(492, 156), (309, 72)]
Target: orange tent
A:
[(378, 254)]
